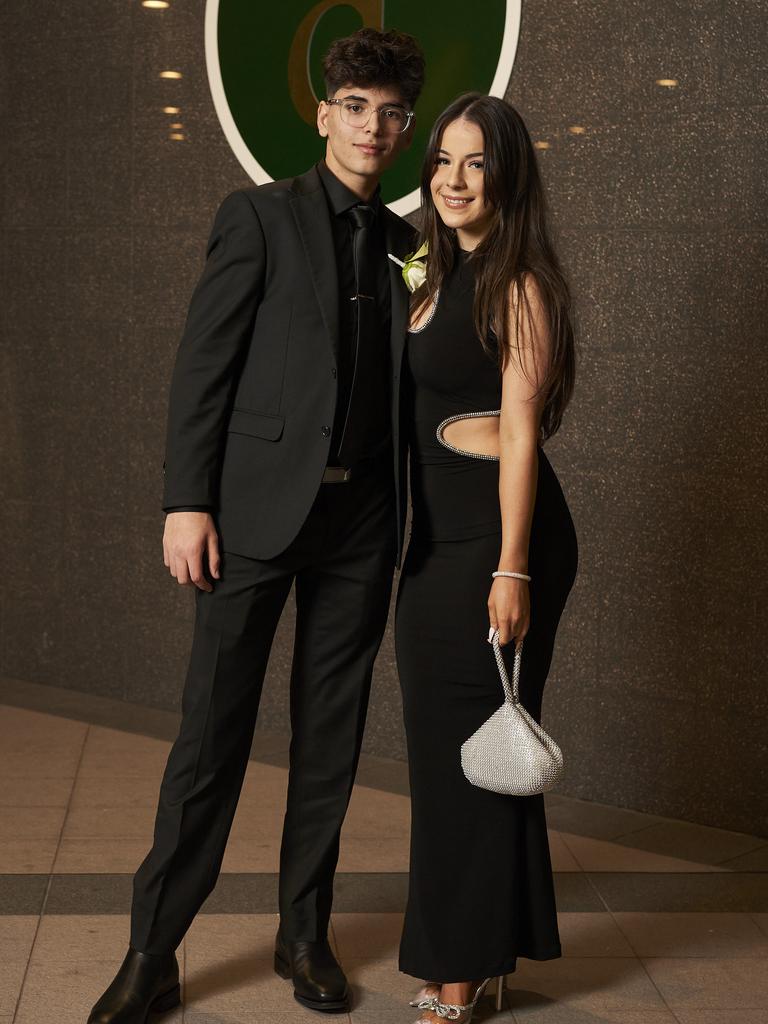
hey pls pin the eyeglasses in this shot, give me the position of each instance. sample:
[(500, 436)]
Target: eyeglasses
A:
[(357, 113)]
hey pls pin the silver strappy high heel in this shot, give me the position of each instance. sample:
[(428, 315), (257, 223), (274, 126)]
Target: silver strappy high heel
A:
[(460, 1013), (424, 993)]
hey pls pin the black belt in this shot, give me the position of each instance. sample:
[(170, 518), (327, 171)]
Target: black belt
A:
[(337, 474), (343, 474)]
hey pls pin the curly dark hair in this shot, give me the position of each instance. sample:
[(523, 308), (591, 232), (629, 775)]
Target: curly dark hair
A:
[(371, 58)]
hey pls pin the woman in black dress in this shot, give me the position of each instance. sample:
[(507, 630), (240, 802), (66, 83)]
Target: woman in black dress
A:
[(489, 372)]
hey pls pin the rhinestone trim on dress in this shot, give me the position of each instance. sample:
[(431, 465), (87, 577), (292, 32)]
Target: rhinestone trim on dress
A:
[(465, 416), (417, 330)]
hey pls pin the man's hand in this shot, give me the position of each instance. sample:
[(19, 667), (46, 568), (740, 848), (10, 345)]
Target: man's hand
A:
[(189, 540)]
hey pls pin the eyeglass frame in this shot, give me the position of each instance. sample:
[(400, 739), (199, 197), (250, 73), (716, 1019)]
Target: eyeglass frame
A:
[(409, 113)]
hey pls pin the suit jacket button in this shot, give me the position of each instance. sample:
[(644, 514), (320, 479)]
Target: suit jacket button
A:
[(326, 431), (333, 372)]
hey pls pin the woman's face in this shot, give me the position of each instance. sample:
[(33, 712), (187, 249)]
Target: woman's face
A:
[(457, 183)]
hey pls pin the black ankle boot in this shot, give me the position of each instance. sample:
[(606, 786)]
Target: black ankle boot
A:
[(146, 983), (318, 980)]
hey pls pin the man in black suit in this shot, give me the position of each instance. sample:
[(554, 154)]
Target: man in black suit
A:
[(285, 463)]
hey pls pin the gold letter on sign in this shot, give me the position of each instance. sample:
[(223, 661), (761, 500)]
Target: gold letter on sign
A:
[(299, 83)]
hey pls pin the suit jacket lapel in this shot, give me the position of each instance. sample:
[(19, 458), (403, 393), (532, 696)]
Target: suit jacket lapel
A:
[(397, 244), (310, 209)]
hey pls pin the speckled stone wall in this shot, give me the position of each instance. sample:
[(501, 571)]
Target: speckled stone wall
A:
[(657, 691)]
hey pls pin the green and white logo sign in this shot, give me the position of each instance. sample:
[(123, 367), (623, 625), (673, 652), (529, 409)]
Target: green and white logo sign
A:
[(265, 72)]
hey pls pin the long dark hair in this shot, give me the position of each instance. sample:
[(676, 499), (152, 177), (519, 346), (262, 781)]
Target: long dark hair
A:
[(517, 243)]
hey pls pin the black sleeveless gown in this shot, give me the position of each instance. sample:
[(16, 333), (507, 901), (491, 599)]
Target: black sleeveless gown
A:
[(480, 888)]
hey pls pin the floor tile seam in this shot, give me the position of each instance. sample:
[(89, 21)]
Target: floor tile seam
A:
[(633, 955), (582, 868), (34, 807), (50, 878), (687, 1007), (78, 838), (65, 816), (754, 849), (669, 874), (622, 931), (616, 842), (643, 875), (641, 828), (639, 958), (266, 958), (601, 899), (760, 842), (751, 916), (624, 840), (389, 872), (570, 851)]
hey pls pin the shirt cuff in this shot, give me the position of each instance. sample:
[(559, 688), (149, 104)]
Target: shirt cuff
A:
[(188, 508)]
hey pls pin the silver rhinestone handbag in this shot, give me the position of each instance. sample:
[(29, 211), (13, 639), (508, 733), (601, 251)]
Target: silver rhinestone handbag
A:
[(511, 753)]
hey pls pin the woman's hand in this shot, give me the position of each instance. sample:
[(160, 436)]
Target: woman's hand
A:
[(509, 608)]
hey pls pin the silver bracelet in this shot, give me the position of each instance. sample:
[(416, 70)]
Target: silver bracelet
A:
[(517, 575)]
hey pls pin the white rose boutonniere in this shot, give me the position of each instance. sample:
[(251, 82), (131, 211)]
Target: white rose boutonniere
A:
[(414, 267)]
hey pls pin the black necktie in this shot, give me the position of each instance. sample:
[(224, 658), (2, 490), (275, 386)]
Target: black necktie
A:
[(364, 382)]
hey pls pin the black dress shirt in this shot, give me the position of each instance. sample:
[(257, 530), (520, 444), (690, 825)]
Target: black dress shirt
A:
[(340, 200)]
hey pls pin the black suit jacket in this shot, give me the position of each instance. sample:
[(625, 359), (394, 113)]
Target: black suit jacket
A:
[(254, 384)]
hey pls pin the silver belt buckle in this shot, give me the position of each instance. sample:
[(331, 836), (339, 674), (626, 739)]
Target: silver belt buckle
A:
[(336, 475)]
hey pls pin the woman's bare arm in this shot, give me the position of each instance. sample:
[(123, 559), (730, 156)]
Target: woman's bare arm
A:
[(508, 602)]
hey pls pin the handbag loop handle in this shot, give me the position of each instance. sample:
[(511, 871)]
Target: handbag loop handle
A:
[(512, 693)]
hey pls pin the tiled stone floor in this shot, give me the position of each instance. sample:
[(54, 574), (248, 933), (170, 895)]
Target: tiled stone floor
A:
[(661, 921)]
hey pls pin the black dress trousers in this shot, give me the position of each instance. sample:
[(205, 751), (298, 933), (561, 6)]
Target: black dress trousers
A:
[(342, 562)]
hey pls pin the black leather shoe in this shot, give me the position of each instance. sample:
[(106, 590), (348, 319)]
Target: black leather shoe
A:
[(318, 980), (146, 983)]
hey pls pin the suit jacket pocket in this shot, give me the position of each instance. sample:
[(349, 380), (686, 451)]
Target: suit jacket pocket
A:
[(256, 424)]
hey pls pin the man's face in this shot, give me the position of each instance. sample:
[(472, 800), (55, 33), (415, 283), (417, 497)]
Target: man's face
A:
[(365, 151)]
